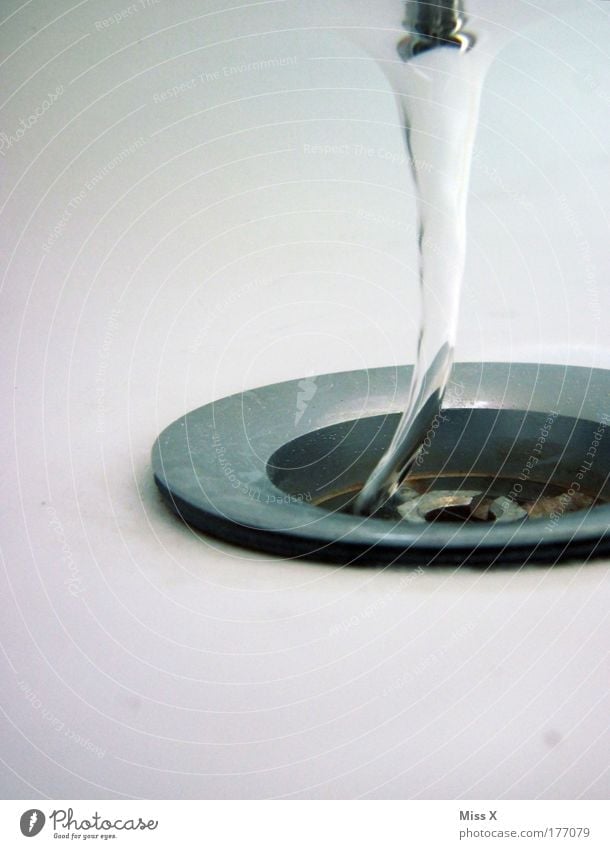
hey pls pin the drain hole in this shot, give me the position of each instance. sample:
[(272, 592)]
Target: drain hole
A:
[(469, 500), (453, 505), (454, 514)]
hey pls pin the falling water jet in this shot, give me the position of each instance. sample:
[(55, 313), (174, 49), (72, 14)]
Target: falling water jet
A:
[(439, 92)]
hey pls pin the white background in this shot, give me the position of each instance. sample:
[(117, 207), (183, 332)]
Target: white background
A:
[(218, 252)]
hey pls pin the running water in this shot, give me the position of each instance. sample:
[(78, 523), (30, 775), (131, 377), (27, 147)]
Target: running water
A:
[(438, 85)]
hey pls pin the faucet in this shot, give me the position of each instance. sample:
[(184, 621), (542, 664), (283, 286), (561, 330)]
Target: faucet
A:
[(434, 24)]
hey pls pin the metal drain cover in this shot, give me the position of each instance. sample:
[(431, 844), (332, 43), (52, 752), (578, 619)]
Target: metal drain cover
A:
[(517, 472), (455, 506)]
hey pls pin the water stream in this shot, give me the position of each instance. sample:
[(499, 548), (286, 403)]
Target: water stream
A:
[(438, 83)]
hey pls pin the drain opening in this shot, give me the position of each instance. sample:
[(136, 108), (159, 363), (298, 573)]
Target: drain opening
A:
[(491, 501), (456, 505), (475, 473), (452, 514)]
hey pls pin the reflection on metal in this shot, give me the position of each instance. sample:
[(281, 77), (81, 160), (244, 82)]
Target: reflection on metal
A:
[(434, 24)]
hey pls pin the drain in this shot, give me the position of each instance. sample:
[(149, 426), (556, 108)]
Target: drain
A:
[(463, 505), (451, 506), (517, 470)]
